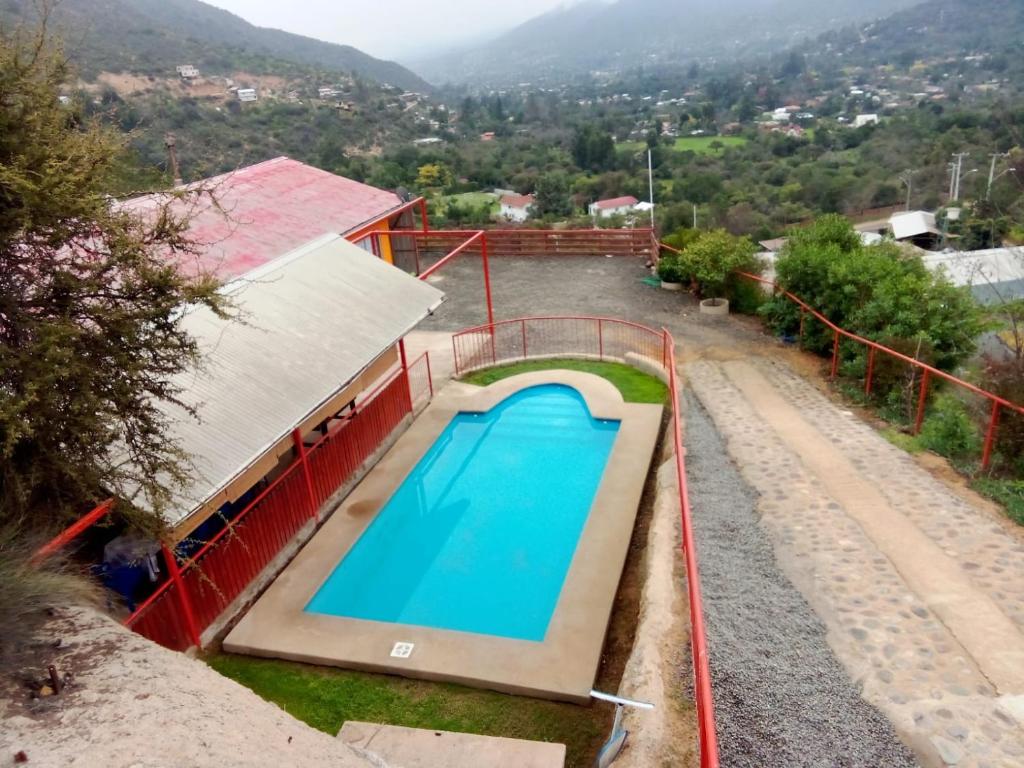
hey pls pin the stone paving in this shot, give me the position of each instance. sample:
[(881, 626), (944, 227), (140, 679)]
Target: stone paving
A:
[(890, 636)]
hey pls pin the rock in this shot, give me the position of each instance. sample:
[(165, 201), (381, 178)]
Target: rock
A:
[(950, 753), (46, 691)]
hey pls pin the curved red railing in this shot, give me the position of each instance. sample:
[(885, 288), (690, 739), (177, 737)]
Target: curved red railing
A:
[(604, 339), (927, 371)]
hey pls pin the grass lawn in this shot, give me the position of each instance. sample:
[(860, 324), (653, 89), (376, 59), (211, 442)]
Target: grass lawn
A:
[(324, 698), (475, 199), (636, 387), (699, 144), (702, 144)]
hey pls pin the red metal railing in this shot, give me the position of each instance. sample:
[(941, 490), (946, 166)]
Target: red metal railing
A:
[(610, 339), (599, 338), (703, 694), (201, 588), (928, 372)]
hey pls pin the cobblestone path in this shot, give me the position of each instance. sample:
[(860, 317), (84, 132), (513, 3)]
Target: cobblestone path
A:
[(922, 593)]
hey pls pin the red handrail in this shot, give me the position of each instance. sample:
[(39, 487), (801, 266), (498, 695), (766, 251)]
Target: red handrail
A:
[(74, 530), (928, 371), (703, 693)]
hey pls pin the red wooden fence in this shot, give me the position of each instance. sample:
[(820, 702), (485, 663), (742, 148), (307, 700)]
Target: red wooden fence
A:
[(221, 570)]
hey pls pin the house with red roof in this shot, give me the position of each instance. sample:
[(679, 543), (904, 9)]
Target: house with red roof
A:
[(621, 206), (516, 207), (247, 218)]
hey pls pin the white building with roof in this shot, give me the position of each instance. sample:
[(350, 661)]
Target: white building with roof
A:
[(294, 363)]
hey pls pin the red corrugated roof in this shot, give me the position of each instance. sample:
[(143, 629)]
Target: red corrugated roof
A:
[(266, 210), (616, 202)]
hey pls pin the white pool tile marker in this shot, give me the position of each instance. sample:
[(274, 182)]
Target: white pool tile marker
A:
[(402, 650)]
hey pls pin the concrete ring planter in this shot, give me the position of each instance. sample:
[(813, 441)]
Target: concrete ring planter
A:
[(714, 307), (671, 286)]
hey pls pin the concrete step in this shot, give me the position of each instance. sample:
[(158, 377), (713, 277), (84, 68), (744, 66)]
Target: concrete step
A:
[(399, 747)]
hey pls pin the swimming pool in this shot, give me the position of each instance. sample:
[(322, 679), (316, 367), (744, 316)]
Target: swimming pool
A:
[(481, 533), (515, 594)]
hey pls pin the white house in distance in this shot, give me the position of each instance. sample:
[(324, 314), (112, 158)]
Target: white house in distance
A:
[(247, 94), (861, 120), (516, 207), (621, 206), (916, 227), (187, 71)]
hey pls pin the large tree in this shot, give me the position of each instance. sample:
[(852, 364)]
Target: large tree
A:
[(90, 296)]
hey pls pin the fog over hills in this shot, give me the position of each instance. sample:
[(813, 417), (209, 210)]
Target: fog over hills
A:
[(599, 35), (153, 36)]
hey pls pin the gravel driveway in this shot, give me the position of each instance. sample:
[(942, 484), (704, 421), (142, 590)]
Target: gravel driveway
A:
[(782, 698)]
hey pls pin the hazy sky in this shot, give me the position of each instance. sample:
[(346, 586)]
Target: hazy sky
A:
[(394, 29)]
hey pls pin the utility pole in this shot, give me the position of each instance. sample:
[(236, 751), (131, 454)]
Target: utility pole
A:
[(694, 215), (650, 181), (992, 172), (959, 170), (907, 177), (172, 154)]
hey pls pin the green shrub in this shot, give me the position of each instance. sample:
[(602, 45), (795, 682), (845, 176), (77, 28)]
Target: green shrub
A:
[(713, 258), (1009, 493), (880, 292), (745, 296), (1006, 379), (671, 270), (949, 430)]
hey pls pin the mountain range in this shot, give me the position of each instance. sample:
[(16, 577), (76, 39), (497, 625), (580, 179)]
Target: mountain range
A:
[(153, 36), (596, 35)]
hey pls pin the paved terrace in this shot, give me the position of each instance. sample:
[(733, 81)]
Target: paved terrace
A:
[(851, 595)]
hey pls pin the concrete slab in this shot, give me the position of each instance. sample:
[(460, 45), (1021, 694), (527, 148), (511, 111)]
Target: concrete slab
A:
[(565, 664), (418, 748)]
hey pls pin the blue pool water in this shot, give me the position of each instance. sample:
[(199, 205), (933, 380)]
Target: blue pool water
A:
[(480, 535)]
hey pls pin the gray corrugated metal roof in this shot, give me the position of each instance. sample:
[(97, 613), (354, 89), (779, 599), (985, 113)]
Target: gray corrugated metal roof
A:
[(995, 274), (311, 322)]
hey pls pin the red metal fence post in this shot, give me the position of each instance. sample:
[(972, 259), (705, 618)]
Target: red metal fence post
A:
[(871, 371), (300, 456), (405, 370), (600, 338), (184, 601), (424, 219), (487, 280), (835, 356), (990, 435), (802, 317), (523, 324), (922, 401)]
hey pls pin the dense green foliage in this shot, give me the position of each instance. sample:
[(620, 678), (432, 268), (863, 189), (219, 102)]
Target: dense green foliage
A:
[(326, 698), (880, 292), (89, 335), (950, 431), (635, 386)]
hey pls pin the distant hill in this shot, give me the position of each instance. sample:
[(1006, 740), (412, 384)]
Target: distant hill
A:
[(936, 27), (595, 35), (153, 36)]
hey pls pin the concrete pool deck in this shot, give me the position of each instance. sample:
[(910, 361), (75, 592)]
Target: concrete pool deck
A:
[(565, 664)]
